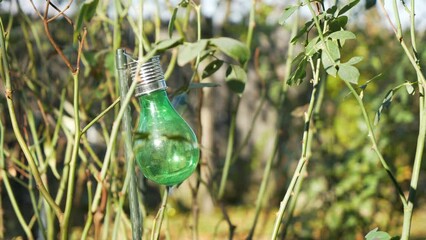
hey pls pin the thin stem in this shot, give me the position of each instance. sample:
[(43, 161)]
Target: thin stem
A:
[(103, 113), (268, 166), (17, 132), (408, 210), (118, 216), (89, 213), (398, 20), (413, 26), (303, 158), (9, 189), (41, 229), (298, 187), (196, 78), (65, 171), (229, 151), (374, 143), (107, 158), (156, 228), (74, 156)]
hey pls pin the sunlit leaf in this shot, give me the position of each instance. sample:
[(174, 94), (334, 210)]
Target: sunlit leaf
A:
[(342, 35), (212, 68), (236, 78), (330, 57), (354, 60), (409, 88), (377, 235), (334, 51), (190, 51), (233, 48), (288, 11), (348, 73), (313, 46)]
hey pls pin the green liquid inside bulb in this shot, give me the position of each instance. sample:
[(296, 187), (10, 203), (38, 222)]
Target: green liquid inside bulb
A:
[(166, 148)]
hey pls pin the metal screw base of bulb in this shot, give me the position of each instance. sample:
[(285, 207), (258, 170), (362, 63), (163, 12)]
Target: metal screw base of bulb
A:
[(149, 75)]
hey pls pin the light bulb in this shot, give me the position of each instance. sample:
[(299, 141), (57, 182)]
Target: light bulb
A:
[(166, 148)]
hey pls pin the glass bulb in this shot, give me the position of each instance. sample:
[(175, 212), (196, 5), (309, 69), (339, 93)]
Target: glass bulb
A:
[(165, 146)]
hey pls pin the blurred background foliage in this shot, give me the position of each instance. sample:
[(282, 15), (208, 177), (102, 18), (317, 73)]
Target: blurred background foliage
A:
[(346, 192)]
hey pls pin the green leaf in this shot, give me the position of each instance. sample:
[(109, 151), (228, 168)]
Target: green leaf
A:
[(167, 44), (304, 30), (184, 3), (141, 135), (385, 105), (409, 88), (109, 63), (331, 58), (288, 11), (212, 68), (236, 78), (172, 22), (369, 4), (336, 24), (334, 51), (348, 7), (354, 60), (328, 64), (91, 9), (87, 11), (233, 48), (313, 46), (190, 51), (202, 85), (296, 77), (342, 35), (332, 10), (377, 235), (348, 73)]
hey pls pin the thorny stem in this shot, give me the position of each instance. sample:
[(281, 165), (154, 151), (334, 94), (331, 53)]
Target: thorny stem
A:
[(268, 166), (303, 158), (366, 119), (297, 188), (415, 62), (374, 143)]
